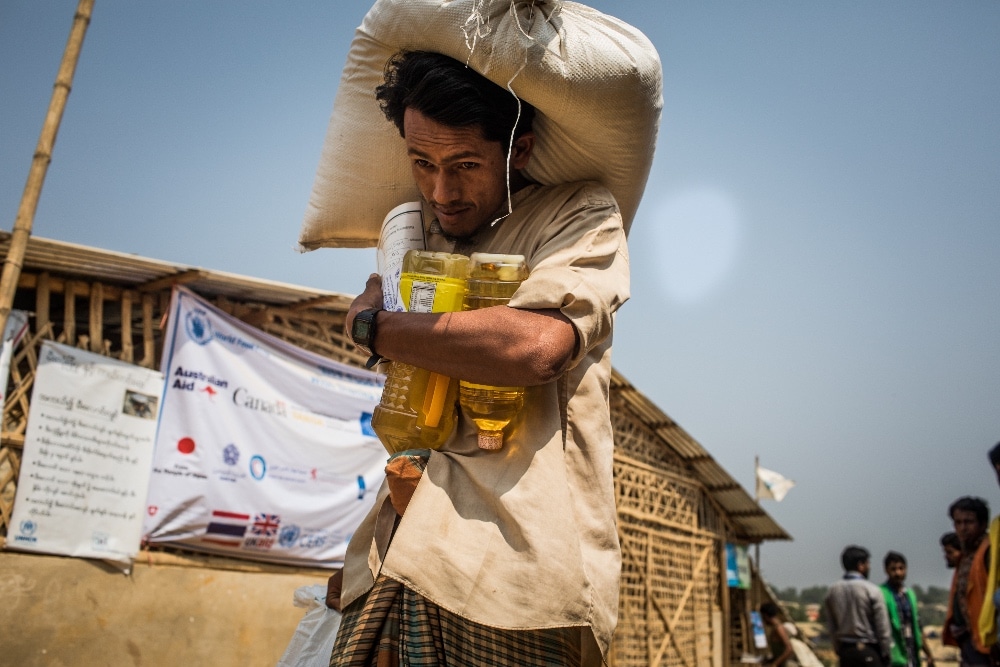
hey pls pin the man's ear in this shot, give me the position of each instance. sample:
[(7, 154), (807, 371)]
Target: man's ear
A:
[(521, 153)]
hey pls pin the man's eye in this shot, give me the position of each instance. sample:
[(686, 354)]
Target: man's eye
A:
[(468, 165), (422, 163)]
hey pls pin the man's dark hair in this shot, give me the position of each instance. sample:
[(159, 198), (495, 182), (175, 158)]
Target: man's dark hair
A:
[(893, 557), (769, 610), (951, 540), (971, 504), (995, 455), (450, 93), (853, 556)]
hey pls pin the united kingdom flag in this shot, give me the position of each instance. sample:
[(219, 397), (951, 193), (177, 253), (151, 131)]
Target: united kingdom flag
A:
[(266, 525)]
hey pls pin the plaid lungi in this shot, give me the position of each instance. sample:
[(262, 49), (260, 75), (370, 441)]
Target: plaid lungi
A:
[(392, 626)]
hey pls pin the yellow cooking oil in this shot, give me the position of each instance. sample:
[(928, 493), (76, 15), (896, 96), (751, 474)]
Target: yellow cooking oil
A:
[(417, 409), (492, 281)]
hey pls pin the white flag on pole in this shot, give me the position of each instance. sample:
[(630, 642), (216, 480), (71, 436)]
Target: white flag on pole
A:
[(771, 484)]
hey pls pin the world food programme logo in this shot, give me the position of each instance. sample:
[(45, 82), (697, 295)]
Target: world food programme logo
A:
[(198, 326), (231, 455)]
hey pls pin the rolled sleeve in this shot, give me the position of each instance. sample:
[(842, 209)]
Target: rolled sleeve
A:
[(583, 272)]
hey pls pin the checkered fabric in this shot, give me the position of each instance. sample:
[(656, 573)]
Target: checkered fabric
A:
[(392, 626)]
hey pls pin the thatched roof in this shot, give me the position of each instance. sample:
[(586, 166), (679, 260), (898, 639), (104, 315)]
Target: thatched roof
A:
[(752, 523), (144, 274)]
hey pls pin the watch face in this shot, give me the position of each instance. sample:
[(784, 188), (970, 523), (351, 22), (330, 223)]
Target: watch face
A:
[(362, 329)]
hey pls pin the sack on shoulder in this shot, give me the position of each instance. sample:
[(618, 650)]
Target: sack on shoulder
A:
[(595, 81)]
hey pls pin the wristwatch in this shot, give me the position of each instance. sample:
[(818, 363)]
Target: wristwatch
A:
[(363, 334)]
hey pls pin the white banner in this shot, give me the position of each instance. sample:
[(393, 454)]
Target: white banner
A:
[(17, 326), (265, 450), (87, 452)]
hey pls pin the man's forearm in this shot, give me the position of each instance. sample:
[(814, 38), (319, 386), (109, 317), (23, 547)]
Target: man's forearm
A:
[(498, 345)]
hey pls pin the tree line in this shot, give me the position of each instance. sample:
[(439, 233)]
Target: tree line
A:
[(932, 600)]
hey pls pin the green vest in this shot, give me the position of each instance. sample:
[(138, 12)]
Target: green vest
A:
[(898, 644)]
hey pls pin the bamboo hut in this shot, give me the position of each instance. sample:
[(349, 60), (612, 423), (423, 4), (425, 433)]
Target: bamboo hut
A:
[(677, 508)]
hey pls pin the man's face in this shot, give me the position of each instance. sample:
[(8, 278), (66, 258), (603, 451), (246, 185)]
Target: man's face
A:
[(967, 527), (863, 568), (952, 556), (896, 572), (460, 174)]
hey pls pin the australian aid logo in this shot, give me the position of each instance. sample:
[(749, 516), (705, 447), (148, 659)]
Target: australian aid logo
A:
[(196, 380)]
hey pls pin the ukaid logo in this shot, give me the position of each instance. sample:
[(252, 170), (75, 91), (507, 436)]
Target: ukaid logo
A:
[(27, 534), (263, 532), (198, 326)]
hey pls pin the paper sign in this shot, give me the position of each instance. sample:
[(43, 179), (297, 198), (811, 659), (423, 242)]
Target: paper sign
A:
[(87, 454)]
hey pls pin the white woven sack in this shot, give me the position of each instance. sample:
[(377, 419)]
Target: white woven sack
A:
[(595, 81)]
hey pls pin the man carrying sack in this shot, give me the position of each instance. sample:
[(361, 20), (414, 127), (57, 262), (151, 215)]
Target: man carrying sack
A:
[(506, 557)]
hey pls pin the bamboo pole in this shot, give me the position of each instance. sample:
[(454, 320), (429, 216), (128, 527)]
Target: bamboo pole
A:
[(40, 164)]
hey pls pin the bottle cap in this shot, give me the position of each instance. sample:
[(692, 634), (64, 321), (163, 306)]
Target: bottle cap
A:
[(491, 440)]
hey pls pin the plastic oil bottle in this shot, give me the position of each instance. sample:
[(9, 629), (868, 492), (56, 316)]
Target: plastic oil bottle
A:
[(417, 409), (493, 279)]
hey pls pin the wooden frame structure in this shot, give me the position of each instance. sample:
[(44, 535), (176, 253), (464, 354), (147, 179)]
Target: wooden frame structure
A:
[(677, 508)]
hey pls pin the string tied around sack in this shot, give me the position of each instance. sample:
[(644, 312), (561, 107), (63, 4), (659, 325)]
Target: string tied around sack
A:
[(477, 27)]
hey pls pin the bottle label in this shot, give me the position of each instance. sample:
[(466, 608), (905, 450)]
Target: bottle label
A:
[(422, 297), (424, 293)]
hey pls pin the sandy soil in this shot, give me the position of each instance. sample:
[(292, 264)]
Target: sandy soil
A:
[(944, 656)]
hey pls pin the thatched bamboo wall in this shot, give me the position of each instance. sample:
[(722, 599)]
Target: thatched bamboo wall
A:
[(675, 608)]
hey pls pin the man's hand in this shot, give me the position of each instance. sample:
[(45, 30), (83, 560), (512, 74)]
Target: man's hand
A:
[(370, 298), (333, 587)]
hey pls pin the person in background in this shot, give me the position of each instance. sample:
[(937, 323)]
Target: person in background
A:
[(779, 644), (989, 617), (901, 603), (968, 585), (856, 614), (952, 547)]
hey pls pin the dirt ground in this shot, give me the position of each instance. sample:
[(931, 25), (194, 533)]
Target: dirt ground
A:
[(944, 656)]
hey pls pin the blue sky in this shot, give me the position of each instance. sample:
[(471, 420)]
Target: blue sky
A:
[(814, 263)]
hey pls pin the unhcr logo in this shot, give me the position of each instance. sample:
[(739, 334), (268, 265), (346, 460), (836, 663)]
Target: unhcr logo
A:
[(28, 528)]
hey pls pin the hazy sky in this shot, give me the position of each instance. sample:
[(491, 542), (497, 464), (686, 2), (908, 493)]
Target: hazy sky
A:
[(815, 262)]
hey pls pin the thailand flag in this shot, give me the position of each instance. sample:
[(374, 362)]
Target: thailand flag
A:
[(226, 528)]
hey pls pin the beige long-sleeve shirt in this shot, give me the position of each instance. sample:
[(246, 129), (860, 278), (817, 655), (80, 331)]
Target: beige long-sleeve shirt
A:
[(526, 537)]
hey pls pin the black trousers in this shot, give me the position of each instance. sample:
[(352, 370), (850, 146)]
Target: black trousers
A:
[(854, 654)]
